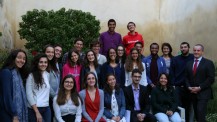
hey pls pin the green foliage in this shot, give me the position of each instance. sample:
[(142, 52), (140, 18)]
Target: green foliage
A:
[(0, 33), (3, 56), (57, 27)]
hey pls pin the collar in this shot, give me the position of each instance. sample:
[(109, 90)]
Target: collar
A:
[(135, 88), (199, 59)]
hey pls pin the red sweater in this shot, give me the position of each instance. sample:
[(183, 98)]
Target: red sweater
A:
[(129, 40)]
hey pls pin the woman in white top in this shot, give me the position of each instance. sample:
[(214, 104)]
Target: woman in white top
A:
[(38, 89), (133, 61), (67, 104)]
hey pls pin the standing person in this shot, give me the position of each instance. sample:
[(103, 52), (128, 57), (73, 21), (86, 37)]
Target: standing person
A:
[(111, 66), (58, 54), (67, 104), (13, 102), (137, 100), (165, 101), (114, 100), (110, 38), (167, 55), (132, 37), (91, 65), (73, 66), (200, 75), (177, 76), (121, 55), (78, 45), (93, 100), (95, 46), (134, 62), (38, 89), (139, 46), (155, 65)]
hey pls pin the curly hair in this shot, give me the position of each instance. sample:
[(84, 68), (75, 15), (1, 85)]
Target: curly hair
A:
[(107, 87)]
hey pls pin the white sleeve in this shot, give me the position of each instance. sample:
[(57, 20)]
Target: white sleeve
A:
[(57, 111), (29, 90), (78, 113)]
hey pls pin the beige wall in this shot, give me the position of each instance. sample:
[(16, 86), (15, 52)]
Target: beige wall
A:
[(159, 21)]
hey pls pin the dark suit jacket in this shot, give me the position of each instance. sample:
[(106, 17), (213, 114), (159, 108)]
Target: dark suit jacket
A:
[(144, 100), (204, 77)]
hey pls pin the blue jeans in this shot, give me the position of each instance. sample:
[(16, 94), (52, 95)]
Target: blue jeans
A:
[(44, 111)]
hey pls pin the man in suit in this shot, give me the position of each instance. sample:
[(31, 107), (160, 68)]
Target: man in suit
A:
[(200, 75), (137, 100)]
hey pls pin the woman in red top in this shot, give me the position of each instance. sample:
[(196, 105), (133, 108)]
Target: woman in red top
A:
[(93, 100)]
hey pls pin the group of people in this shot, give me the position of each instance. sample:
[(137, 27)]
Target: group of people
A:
[(110, 79)]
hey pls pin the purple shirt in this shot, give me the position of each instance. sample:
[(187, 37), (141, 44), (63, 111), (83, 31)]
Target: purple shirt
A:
[(108, 40), (136, 98)]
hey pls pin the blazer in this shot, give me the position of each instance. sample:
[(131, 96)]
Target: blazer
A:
[(119, 95), (204, 77), (143, 99)]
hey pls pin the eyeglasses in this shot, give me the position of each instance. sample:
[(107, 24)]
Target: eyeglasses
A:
[(69, 82)]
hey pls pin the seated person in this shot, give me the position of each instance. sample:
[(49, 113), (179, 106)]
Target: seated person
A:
[(164, 101), (114, 100), (67, 104), (137, 100)]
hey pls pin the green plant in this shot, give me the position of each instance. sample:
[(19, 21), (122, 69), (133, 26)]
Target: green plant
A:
[(0, 33), (57, 27), (3, 56)]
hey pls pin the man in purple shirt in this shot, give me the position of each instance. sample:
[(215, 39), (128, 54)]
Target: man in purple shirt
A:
[(109, 38)]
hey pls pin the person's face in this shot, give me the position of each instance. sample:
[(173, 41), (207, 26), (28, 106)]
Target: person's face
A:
[(131, 27), (90, 56), (184, 49), (154, 49), (20, 60), (78, 45), (96, 48), (139, 47), (91, 81), (42, 64), (49, 52), (120, 51), (58, 51), (198, 52), (111, 26), (166, 50), (136, 77), (163, 80), (134, 54), (74, 57), (112, 54), (111, 81), (68, 84)]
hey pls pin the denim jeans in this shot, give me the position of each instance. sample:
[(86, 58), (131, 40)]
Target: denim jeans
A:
[(44, 111)]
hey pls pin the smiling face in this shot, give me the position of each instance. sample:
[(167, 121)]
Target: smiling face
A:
[(111, 26), (49, 52), (166, 50), (90, 56), (198, 51), (134, 54), (91, 80), (20, 60), (111, 81), (154, 49), (112, 54), (74, 57), (131, 27), (78, 45), (163, 80), (136, 77), (58, 51), (96, 48), (184, 49), (42, 64), (120, 50), (68, 84)]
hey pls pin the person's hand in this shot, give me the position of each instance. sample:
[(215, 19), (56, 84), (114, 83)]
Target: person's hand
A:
[(152, 85), (118, 119), (15, 119), (195, 90), (169, 113), (140, 116), (38, 117)]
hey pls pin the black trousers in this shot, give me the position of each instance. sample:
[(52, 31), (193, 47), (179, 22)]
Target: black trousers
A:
[(69, 118), (148, 117)]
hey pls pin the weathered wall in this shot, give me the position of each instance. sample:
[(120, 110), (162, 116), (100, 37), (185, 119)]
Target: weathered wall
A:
[(159, 21)]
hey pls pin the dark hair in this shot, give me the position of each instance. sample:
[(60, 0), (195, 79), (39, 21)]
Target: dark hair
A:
[(78, 39), (57, 45), (154, 44), (202, 47), (85, 80), (185, 43), (136, 71), (10, 63), (70, 55), (170, 48), (123, 58), (52, 62), (94, 42), (139, 42), (36, 72), (61, 98), (87, 62), (130, 23), (167, 76), (111, 20), (107, 87), (129, 62), (108, 57)]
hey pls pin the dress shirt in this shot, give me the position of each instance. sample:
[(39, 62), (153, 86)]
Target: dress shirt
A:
[(136, 98)]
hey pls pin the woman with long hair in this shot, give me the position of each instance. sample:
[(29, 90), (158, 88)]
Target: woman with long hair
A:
[(167, 55), (93, 100), (114, 100), (67, 104), (91, 65), (111, 66), (165, 101), (38, 89), (133, 61), (73, 66), (13, 103), (121, 55)]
